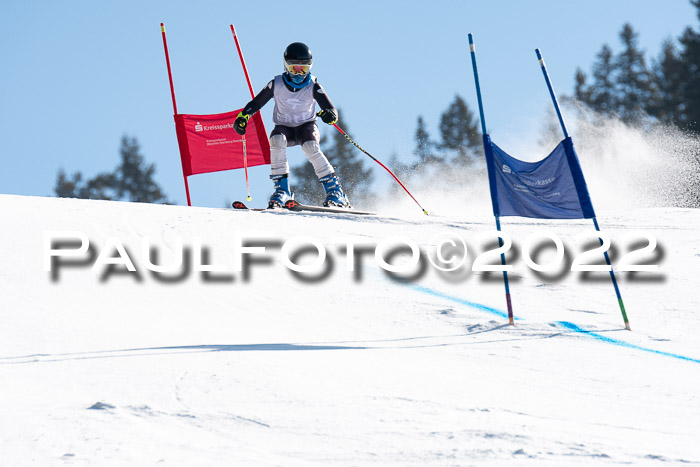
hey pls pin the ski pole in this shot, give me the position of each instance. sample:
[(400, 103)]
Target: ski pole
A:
[(245, 166), (383, 166)]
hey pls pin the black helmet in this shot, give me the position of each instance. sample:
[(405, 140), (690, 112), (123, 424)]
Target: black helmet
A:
[(298, 53), (297, 61)]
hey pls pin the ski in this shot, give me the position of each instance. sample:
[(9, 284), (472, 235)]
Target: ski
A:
[(242, 205), (293, 205)]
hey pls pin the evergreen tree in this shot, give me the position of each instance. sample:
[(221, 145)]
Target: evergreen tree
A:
[(459, 132), (425, 147), (452, 160), (132, 180), (622, 84), (103, 186), (668, 73), (67, 187), (601, 95), (632, 78), (690, 56), (582, 91)]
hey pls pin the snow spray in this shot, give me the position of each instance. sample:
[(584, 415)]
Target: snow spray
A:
[(626, 166)]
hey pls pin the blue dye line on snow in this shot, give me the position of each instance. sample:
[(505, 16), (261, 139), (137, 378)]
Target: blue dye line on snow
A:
[(564, 324), (475, 305), (610, 340)]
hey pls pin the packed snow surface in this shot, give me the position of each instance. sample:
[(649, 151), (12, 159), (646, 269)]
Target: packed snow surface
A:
[(102, 366)]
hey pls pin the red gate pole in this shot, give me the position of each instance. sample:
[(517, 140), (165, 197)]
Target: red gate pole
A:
[(172, 93), (170, 73)]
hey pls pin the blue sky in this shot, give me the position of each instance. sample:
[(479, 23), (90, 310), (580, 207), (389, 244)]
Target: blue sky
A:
[(77, 75)]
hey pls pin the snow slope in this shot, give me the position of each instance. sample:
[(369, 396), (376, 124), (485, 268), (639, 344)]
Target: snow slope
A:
[(106, 367)]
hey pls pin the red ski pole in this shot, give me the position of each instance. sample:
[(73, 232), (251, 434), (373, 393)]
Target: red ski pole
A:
[(383, 166)]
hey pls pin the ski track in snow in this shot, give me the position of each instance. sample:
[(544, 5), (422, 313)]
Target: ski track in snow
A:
[(100, 369)]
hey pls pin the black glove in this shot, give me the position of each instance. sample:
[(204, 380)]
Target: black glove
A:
[(241, 123), (329, 116)]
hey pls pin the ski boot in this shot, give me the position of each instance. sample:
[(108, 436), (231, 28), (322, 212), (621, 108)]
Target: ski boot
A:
[(282, 193), (334, 192)]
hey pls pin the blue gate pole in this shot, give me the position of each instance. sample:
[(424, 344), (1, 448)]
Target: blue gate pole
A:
[(498, 222), (595, 221), (551, 92), (476, 81)]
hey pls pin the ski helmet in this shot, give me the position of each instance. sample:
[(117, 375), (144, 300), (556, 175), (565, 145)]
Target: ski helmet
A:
[(297, 61)]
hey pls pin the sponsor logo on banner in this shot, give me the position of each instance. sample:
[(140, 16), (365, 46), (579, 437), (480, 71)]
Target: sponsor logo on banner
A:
[(543, 182), (222, 126), (219, 138)]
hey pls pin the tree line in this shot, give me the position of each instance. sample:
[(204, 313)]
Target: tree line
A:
[(626, 86), (621, 85)]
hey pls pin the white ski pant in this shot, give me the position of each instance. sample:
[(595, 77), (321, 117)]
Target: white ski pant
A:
[(279, 140)]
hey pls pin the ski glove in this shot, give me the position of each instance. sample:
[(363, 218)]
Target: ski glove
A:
[(241, 123), (329, 116)]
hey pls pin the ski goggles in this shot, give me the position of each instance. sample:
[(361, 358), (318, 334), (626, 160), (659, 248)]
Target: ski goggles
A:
[(298, 69)]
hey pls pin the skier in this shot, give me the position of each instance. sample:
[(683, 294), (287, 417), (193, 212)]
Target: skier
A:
[(296, 93)]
